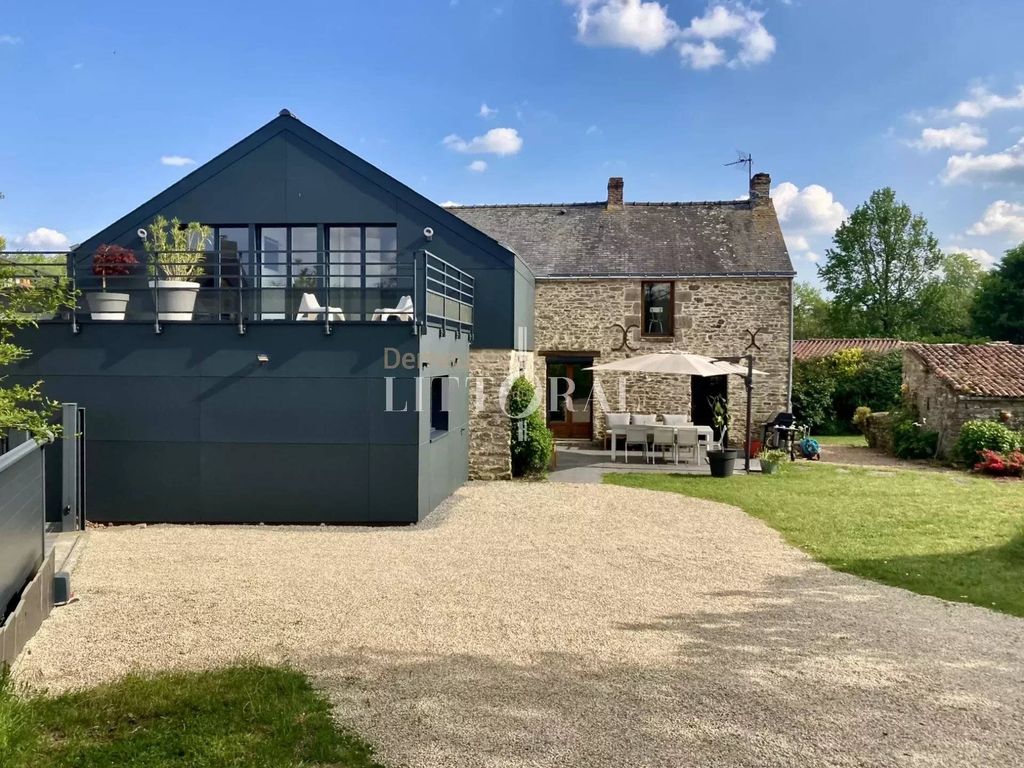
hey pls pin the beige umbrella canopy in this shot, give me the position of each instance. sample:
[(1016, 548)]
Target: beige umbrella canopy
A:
[(677, 363)]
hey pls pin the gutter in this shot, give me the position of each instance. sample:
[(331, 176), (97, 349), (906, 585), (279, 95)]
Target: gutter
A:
[(661, 275)]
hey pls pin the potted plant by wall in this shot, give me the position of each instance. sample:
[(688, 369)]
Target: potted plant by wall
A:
[(723, 460), (771, 460), (177, 255), (110, 261)]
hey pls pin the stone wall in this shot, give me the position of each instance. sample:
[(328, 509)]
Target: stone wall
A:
[(879, 431), (712, 317), (489, 429), (944, 411)]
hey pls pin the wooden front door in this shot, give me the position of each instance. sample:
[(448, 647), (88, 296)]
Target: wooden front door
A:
[(570, 410)]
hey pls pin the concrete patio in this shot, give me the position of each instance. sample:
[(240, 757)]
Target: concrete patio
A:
[(581, 462)]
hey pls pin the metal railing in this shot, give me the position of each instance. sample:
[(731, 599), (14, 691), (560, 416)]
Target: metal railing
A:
[(322, 287)]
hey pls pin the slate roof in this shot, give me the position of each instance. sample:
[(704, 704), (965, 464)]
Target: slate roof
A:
[(638, 239), (978, 370), (809, 349)]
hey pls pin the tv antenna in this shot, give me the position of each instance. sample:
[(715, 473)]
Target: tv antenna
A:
[(747, 159)]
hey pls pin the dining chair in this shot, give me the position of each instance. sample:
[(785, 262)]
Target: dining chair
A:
[(637, 435), (662, 437)]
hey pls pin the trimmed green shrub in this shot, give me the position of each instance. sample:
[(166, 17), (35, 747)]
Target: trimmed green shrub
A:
[(828, 390), (532, 441), (910, 439), (977, 436)]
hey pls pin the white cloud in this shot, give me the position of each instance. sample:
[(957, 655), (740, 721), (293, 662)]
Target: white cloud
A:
[(42, 239), (78, 65), (798, 243), (812, 209), (624, 24), (960, 137), (451, 204), (980, 255), (477, 166), (486, 112), (735, 22), (1002, 217), (983, 102), (9, 40), (592, 130), (176, 161), (1005, 166), (497, 141), (703, 56)]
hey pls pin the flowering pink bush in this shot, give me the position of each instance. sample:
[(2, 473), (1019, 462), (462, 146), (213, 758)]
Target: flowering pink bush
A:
[(1000, 464)]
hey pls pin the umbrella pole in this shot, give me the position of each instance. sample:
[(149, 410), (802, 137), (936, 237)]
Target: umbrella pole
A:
[(748, 382)]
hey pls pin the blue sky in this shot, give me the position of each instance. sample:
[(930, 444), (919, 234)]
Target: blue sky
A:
[(833, 98)]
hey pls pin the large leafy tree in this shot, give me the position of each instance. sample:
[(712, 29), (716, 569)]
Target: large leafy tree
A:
[(882, 258), (810, 312), (947, 299), (27, 293), (998, 310)]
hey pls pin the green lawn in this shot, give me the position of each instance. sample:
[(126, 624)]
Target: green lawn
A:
[(246, 716), (946, 534), (850, 440)]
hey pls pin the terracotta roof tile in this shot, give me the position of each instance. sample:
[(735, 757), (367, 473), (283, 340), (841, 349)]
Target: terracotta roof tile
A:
[(809, 349), (980, 370)]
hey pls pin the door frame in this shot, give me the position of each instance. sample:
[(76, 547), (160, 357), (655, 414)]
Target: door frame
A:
[(568, 430)]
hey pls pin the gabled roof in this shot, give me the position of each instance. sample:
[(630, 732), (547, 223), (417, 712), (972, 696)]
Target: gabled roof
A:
[(809, 349), (639, 239), (286, 122), (978, 370)]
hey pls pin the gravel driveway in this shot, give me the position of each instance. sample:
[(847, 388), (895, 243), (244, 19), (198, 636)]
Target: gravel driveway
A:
[(560, 625)]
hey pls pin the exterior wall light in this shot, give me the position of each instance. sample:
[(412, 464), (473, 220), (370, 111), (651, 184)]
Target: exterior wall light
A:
[(262, 359)]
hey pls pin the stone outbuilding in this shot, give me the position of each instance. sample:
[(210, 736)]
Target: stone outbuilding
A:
[(955, 383)]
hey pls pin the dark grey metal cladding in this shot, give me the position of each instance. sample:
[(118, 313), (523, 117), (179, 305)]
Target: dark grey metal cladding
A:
[(21, 518), (188, 426), (288, 173), (444, 459)]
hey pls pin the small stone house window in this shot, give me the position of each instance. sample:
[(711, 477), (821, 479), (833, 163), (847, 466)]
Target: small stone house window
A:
[(657, 311)]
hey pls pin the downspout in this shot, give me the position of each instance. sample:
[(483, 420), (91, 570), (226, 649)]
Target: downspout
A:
[(789, 389)]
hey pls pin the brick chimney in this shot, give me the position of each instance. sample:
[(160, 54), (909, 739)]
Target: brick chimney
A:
[(760, 188), (615, 192)]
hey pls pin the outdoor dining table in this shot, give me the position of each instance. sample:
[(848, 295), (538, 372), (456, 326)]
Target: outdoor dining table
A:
[(705, 434)]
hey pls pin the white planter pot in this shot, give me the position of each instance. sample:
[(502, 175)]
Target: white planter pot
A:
[(177, 298), (107, 306)]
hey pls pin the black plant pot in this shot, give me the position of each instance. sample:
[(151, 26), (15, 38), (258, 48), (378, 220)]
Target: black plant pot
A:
[(722, 462)]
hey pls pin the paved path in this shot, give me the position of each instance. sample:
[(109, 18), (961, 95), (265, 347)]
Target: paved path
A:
[(560, 625)]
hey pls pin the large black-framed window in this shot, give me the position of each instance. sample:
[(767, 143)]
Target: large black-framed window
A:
[(657, 307), (288, 263), (363, 268)]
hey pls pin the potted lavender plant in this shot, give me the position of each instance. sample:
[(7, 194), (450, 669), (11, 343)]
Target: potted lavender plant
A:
[(110, 261)]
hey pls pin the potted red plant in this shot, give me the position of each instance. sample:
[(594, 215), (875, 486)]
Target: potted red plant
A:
[(110, 261)]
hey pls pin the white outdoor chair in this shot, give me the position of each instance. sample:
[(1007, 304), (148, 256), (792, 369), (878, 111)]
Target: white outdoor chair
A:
[(310, 309), (403, 311), (647, 420), (637, 435), (688, 442), (615, 427), (664, 437)]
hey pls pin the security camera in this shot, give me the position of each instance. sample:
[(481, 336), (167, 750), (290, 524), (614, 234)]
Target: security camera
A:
[(141, 233), (428, 233)]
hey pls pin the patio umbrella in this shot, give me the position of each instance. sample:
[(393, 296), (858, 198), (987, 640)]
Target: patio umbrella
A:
[(677, 363), (688, 364)]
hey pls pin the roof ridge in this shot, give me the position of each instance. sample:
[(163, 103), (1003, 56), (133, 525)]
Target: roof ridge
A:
[(602, 203)]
